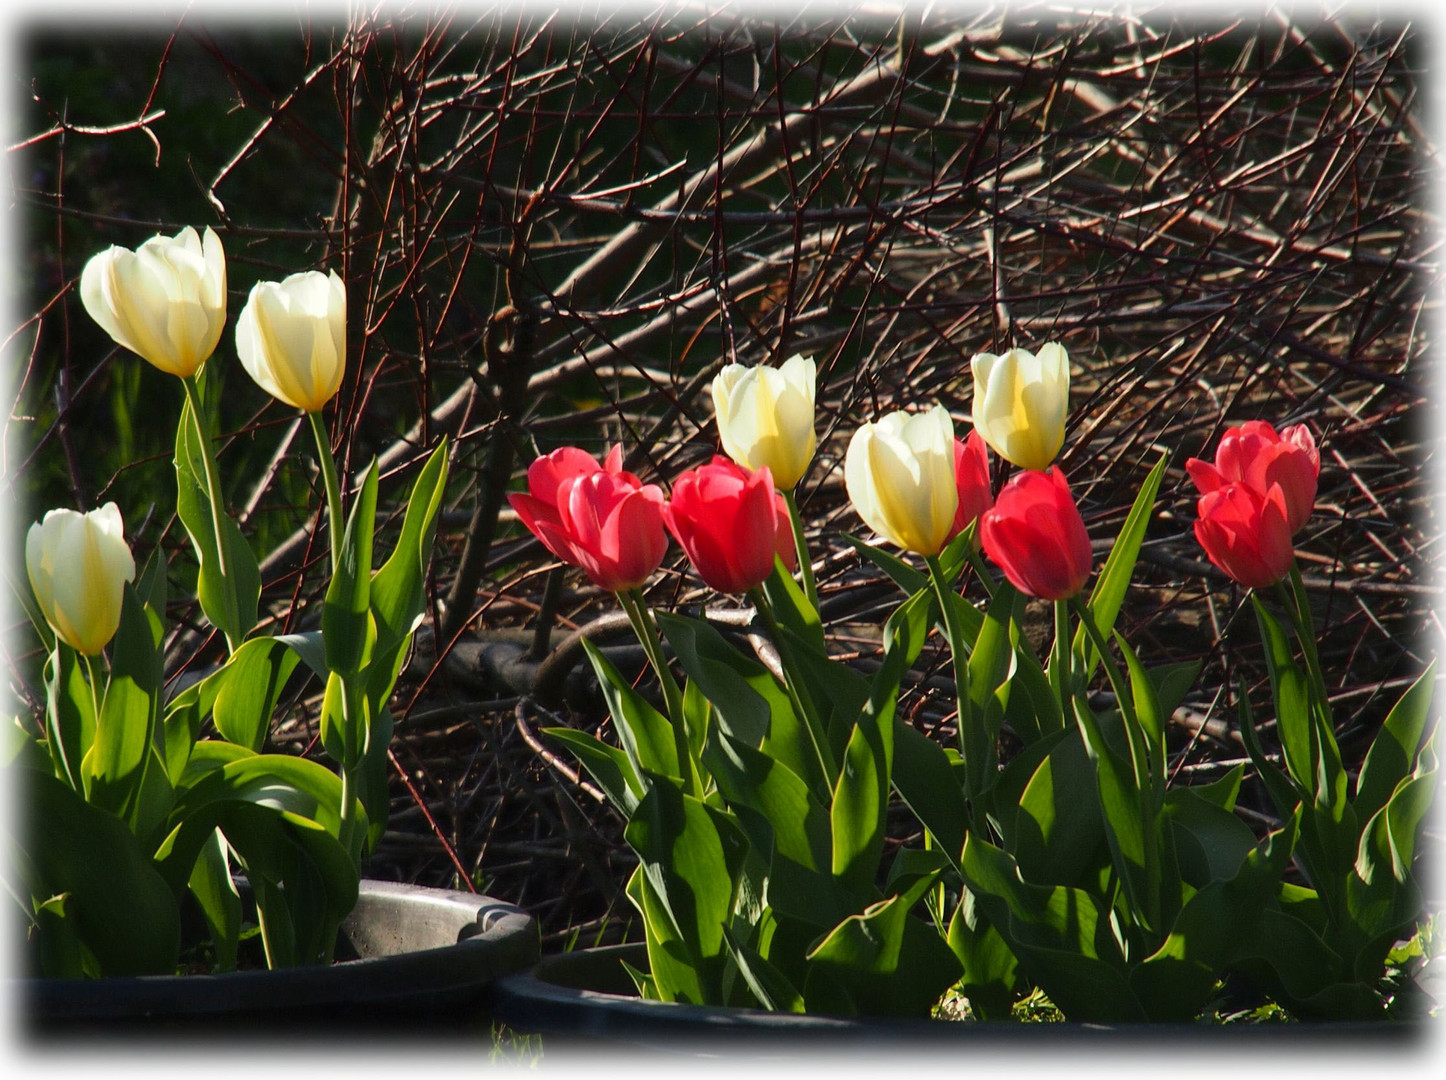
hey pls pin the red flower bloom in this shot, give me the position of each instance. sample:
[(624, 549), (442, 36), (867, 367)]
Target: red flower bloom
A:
[(731, 522), (1253, 454), (1246, 535), (971, 473), (1035, 533), (603, 519)]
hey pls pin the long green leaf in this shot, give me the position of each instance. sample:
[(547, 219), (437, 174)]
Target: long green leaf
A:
[(122, 749), (1393, 751), (1114, 578), (345, 613)]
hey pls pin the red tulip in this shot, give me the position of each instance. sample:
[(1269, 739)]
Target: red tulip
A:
[(971, 473), (603, 519), (1036, 535), (1254, 455), (1246, 535), (731, 522)]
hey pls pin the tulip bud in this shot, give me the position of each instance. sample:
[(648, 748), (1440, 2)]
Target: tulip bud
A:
[(291, 338), (603, 519), (1246, 534), (165, 301), (1253, 454), (78, 566), (1020, 402), (1035, 534), (727, 520), (899, 472), (971, 477), (765, 417)]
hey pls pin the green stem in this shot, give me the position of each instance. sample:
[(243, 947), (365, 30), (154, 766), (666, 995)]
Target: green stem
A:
[(973, 740), (647, 633), (1299, 607), (78, 780), (800, 545), (1060, 676), (810, 722), (333, 489), (213, 494), (351, 765)]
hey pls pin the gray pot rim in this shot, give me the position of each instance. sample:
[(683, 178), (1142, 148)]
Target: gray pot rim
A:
[(419, 948)]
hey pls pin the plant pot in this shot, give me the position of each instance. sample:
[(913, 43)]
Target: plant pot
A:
[(405, 951), (587, 995)]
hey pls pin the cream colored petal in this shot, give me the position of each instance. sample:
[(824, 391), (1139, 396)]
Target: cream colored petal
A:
[(95, 296), (859, 482)]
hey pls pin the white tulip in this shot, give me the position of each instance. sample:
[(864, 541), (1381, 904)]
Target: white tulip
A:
[(165, 301), (765, 417), (1020, 402), (78, 566), (899, 472), (291, 338)]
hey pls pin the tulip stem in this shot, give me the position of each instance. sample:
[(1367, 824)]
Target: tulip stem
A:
[(213, 493), (973, 739), (94, 704), (1059, 667), (333, 489), (647, 633), (810, 722), (1299, 608), (981, 571), (805, 564)]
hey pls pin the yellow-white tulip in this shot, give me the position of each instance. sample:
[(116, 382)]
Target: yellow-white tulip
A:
[(78, 566), (899, 472), (165, 301), (765, 417), (1020, 402), (291, 338)]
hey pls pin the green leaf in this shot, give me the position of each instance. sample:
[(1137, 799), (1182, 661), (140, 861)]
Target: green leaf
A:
[(989, 967), (925, 780), (785, 824), (1175, 982), (1282, 790), (749, 703), (673, 972), (792, 608), (69, 714), (218, 900), (248, 688), (690, 854), (882, 961), (1172, 682), (1393, 751), (769, 985), (607, 765), (1055, 834), (117, 759), (243, 581), (346, 623), (1210, 842), (1120, 804), (1061, 936), (861, 797), (1114, 578), (397, 597), (1292, 700), (311, 647), (645, 734), (117, 904)]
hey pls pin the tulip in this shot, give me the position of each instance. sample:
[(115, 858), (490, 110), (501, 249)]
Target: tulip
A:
[(899, 472), (971, 477), (765, 417), (291, 338), (1246, 534), (1020, 402), (731, 523), (78, 566), (1253, 454), (1035, 533), (165, 301), (601, 518)]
